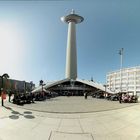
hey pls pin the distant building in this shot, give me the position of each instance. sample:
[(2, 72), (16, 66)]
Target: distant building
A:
[(125, 80), (17, 85)]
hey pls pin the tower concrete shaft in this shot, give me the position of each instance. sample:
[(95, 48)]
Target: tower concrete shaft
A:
[(71, 55)]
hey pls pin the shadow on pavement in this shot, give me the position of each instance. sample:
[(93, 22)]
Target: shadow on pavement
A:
[(27, 112), (15, 114), (14, 117), (9, 108), (29, 116)]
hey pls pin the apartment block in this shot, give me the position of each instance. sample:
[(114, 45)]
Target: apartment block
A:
[(124, 80)]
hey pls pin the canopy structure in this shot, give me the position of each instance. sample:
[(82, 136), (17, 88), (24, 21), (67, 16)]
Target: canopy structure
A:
[(40, 89), (74, 87)]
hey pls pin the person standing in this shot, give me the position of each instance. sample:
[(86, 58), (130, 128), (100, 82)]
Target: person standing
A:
[(85, 95), (120, 98), (10, 94)]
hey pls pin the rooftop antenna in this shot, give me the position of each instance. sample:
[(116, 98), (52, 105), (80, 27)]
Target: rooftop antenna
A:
[(92, 79), (72, 11)]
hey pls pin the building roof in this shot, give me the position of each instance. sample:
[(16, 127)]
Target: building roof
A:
[(87, 82)]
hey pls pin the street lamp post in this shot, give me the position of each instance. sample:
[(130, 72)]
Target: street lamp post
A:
[(31, 86), (121, 65), (5, 75), (2, 101), (105, 89), (24, 87), (41, 84)]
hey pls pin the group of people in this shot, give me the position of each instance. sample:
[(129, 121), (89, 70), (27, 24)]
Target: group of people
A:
[(126, 98), (23, 98)]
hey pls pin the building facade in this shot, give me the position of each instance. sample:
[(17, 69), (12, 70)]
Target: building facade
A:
[(124, 80), (16, 85)]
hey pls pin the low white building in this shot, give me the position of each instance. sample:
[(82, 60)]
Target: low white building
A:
[(124, 80)]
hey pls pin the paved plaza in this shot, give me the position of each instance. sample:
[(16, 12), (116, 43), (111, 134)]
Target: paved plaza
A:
[(72, 104), (72, 118)]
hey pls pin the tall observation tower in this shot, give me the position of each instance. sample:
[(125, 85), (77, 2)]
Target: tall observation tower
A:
[(71, 55), (71, 85)]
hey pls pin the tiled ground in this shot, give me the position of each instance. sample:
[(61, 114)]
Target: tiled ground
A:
[(117, 124)]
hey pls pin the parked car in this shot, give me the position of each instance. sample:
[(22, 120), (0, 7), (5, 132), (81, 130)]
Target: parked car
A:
[(114, 98), (100, 96)]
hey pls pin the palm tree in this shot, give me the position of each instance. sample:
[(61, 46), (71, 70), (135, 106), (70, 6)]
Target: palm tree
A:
[(6, 76)]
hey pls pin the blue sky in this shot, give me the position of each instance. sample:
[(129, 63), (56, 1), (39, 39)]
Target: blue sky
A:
[(33, 39)]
